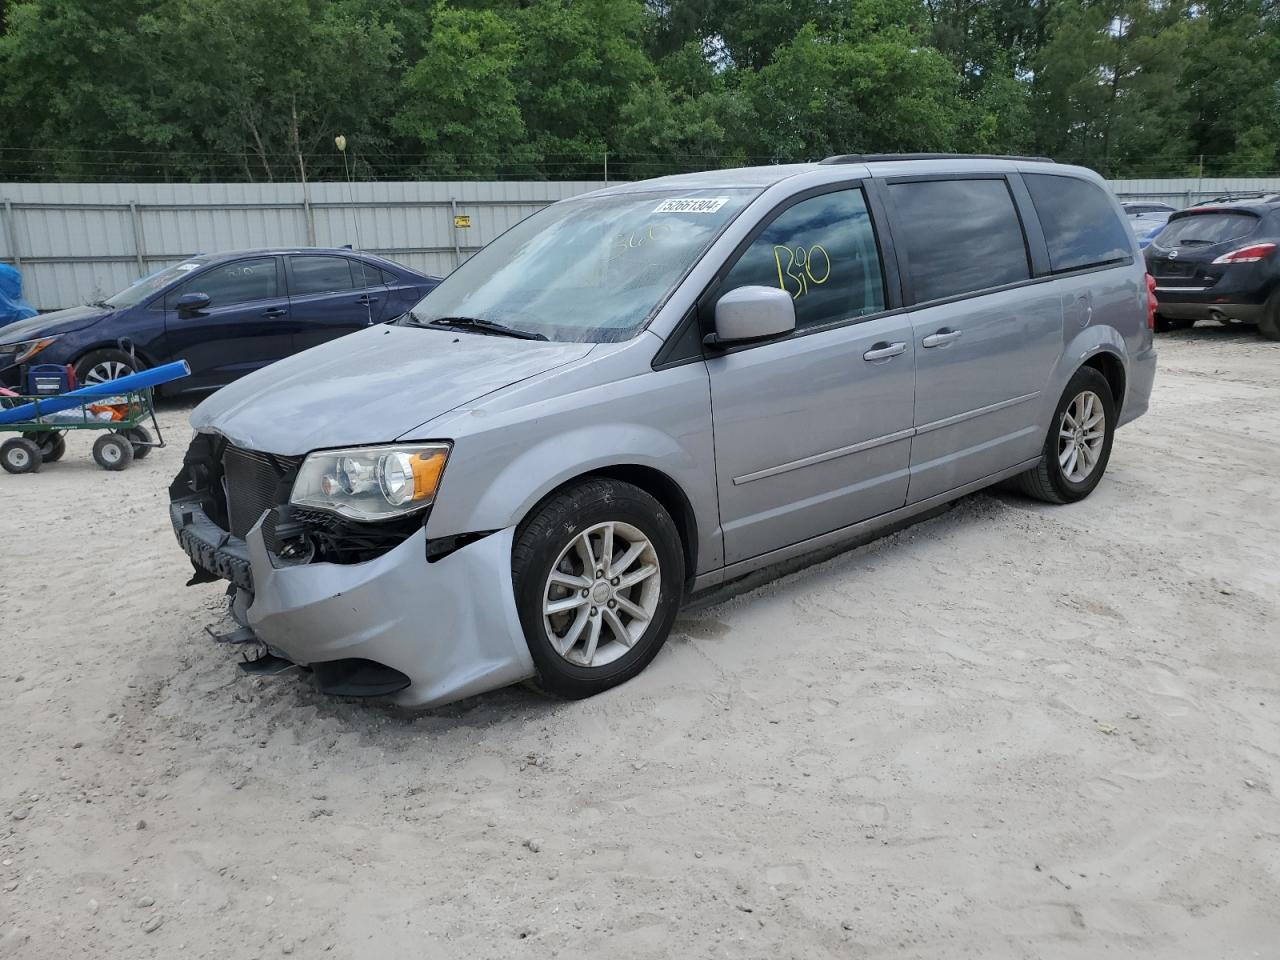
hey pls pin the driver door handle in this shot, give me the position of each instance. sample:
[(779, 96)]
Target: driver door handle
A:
[(275, 312), (883, 351), (941, 338)]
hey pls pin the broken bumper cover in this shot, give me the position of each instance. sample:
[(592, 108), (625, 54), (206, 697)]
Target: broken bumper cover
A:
[(450, 625)]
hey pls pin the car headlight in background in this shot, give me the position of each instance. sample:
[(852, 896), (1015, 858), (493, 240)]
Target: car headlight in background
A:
[(24, 350), (371, 483)]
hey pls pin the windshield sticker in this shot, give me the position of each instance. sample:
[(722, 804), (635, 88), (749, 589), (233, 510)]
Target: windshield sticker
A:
[(802, 266), (691, 205)]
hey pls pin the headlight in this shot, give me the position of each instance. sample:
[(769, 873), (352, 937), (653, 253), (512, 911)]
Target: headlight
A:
[(24, 350), (371, 483)]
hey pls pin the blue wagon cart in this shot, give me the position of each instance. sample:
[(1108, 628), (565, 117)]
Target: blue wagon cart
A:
[(124, 405)]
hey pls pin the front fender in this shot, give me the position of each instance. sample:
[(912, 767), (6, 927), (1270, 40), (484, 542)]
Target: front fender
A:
[(504, 462)]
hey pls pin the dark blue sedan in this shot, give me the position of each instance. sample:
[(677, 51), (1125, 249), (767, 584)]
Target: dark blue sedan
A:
[(226, 314)]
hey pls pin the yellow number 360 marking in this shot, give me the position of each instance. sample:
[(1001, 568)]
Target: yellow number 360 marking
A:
[(796, 268)]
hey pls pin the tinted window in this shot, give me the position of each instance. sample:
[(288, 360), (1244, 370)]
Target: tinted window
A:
[(823, 252), (366, 274), (959, 236), (227, 284), (1202, 229), (319, 275), (1080, 225)]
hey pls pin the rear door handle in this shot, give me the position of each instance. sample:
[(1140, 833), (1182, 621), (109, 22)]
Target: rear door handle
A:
[(275, 312), (366, 300), (941, 338), (883, 351)]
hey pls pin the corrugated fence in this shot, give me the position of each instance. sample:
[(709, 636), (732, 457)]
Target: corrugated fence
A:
[(77, 242)]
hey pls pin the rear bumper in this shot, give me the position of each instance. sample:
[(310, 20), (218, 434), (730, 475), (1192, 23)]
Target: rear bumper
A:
[(1139, 379), (1175, 306), (450, 625)]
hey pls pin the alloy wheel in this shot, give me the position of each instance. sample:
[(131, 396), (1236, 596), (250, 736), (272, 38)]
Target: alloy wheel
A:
[(1081, 433), (602, 593)]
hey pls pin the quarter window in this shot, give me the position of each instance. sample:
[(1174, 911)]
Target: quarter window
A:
[(960, 236), (1080, 225), (227, 284), (320, 275), (823, 252)]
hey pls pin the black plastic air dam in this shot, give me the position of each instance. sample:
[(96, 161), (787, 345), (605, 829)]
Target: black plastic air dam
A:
[(358, 678)]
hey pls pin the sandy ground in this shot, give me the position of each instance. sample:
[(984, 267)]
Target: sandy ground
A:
[(1010, 731)]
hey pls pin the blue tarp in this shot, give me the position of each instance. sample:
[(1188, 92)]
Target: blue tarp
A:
[(12, 307)]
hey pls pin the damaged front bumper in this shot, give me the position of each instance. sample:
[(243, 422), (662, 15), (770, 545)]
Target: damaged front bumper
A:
[(448, 624)]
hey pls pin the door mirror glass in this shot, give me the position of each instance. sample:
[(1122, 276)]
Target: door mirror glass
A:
[(754, 313), (191, 303)]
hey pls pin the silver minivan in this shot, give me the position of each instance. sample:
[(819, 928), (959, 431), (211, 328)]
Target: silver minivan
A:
[(654, 388)]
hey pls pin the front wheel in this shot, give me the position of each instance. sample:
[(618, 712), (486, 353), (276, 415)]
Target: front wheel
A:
[(112, 452), (99, 366), (1078, 446), (20, 455), (598, 572)]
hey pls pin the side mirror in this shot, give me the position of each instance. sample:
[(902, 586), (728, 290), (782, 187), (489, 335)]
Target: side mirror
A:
[(752, 313), (190, 304)]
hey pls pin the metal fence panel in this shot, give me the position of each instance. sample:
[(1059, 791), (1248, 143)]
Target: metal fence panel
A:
[(81, 241)]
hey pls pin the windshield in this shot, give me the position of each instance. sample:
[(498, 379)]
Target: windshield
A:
[(1202, 229), (591, 270), (140, 290)]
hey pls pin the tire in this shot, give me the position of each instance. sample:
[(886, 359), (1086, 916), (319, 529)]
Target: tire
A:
[(140, 439), (98, 366), (112, 452), (52, 445), (20, 455), (1269, 322), (554, 537), (1050, 481)]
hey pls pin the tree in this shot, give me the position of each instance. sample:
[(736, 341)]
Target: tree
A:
[(461, 96)]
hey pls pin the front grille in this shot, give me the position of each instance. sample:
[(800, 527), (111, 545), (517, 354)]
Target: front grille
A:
[(255, 482)]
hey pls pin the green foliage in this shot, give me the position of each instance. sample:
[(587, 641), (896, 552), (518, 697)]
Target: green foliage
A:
[(241, 89)]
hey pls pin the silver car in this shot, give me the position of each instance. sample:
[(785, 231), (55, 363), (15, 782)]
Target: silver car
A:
[(648, 390)]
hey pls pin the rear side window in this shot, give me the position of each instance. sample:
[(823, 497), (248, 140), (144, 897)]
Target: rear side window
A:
[(1080, 225), (823, 252), (960, 236), (1204, 229), (320, 275)]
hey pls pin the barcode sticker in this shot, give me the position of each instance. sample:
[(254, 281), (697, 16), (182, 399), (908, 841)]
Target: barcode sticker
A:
[(691, 205)]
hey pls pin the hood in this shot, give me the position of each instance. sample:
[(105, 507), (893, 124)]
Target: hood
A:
[(48, 324), (374, 386)]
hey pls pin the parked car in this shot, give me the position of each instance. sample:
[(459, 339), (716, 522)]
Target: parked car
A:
[(655, 388), (1146, 227), (226, 314), (1219, 262), (1146, 208)]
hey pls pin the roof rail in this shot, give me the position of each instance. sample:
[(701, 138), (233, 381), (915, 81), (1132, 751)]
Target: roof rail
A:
[(886, 157), (1244, 195)]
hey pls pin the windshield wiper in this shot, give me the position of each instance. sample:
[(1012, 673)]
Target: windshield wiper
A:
[(101, 303), (1196, 243), (486, 326)]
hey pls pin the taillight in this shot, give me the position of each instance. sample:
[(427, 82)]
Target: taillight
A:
[(1152, 302), (1249, 254)]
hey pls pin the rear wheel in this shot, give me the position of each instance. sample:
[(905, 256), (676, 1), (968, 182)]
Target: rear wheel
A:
[(52, 446), (140, 439), (99, 366), (1078, 446), (1269, 322), (20, 455), (112, 452), (598, 573)]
